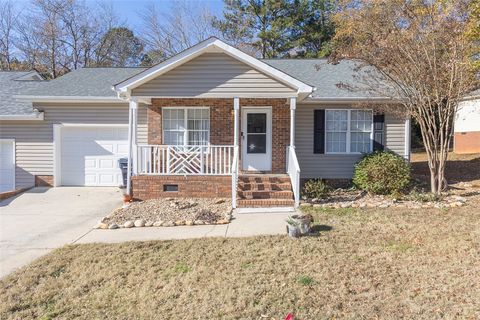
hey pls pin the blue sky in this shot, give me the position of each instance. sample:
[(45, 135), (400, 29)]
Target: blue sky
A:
[(128, 9)]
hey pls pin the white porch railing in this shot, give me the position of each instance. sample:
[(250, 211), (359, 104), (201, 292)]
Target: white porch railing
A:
[(293, 169), (184, 160), (234, 176)]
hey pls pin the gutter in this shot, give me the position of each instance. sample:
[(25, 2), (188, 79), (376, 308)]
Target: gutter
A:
[(36, 116), (350, 100), (99, 99)]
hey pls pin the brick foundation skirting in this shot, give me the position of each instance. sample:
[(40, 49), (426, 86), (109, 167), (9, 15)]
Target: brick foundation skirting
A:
[(467, 142), (9, 194), (151, 187), (43, 181)]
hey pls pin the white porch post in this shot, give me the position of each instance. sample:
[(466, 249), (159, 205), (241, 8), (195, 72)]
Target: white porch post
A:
[(407, 138), (131, 142), (293, 106), (236, 109), (134, 136)]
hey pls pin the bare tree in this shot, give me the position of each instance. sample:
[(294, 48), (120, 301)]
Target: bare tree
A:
[(8, 21), (167, 34), (422, 58)]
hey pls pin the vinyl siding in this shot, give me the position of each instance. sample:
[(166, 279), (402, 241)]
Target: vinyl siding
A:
[(34, 140), (336, 166), (213, 75)]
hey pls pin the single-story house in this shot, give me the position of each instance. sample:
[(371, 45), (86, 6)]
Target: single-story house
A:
[(467, 125), (211, 121)]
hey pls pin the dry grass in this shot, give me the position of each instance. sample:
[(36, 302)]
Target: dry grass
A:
[(421, 264)]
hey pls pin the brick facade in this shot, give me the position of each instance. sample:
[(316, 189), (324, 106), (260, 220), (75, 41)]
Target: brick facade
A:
[(43, 181), (467, 142), (151, 187), (222, 122)]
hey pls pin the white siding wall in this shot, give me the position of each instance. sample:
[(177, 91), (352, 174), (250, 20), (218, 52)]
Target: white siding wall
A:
[(335, 166), (467, 118), (213, 75), (34, 139)]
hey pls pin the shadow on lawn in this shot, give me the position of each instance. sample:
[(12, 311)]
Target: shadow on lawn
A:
[(320, 228), (457, 170)]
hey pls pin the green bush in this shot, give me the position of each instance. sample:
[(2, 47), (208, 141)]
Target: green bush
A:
[(382, 173), (314, 188)]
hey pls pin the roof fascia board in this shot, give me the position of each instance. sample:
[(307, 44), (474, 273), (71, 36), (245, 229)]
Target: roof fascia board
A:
[(350, 100), (211, 45), (23, 117), (68, 99)]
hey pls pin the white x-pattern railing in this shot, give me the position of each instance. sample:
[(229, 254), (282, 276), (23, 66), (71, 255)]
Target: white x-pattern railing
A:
[(185, 160)]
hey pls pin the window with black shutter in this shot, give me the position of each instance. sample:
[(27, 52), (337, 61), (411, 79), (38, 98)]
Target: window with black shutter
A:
[(378, 132), (319, 131)]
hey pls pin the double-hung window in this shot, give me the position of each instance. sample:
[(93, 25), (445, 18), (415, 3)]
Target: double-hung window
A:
[(186, 126), (348, 131)]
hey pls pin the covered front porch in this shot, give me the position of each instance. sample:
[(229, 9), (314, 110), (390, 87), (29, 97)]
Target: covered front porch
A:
[(215, 116), (243, 148)]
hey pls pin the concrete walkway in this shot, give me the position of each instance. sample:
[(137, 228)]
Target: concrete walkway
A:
[(243, 225)]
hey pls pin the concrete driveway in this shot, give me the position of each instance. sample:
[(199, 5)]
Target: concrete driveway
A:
[(42, 219)]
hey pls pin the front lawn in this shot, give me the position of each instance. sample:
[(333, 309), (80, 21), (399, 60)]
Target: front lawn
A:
[(382, 263)]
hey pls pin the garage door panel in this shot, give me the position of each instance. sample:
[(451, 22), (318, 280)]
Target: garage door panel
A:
[(90, 156), (7, 165)]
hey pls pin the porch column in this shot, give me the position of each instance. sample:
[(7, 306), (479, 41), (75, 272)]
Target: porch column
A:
[(132, 107), (293, 106), (236, 109), (407, 138)]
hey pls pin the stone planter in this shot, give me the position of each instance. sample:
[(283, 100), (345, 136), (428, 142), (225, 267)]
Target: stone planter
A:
[(304, 223), (293, 231)]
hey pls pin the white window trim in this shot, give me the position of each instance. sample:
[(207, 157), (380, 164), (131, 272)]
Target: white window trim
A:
[(349, 132), (185, 133)]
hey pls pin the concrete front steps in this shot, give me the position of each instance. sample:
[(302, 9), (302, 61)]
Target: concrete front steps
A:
[(264, 191)]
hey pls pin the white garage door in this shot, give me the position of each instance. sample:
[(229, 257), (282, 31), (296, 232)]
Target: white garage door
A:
[(89, 155), (7, 165)]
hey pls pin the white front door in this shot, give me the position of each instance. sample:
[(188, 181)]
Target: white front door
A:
[(7, 165), (89, 155), (257, 139)]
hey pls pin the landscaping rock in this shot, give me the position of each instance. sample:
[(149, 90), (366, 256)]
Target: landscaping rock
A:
[(199, 222), (139, 223), (222, 221), (101, 225), (169, 224), (158, 223), (128, 224), (219, 201), (113, 226), (148, 223), (189, 223), (180, 223)]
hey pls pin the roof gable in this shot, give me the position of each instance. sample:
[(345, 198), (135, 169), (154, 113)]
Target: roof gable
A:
[(214, 75), (211, 45)]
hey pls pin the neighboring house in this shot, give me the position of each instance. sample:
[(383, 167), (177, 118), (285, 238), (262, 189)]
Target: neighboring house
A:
[(13, 110), (467, 125), (189, 122)]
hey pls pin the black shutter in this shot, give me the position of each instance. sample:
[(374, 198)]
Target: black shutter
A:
[(378, 132), (319, 131)]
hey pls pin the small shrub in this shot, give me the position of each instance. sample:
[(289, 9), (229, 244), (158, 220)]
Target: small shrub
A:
[(382, 173), (421, 196), (305, 280), (314, 188)]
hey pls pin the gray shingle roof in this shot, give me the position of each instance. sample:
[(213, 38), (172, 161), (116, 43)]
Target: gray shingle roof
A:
[(98, 82), (85, 82), (10, 85), (324, 76)]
